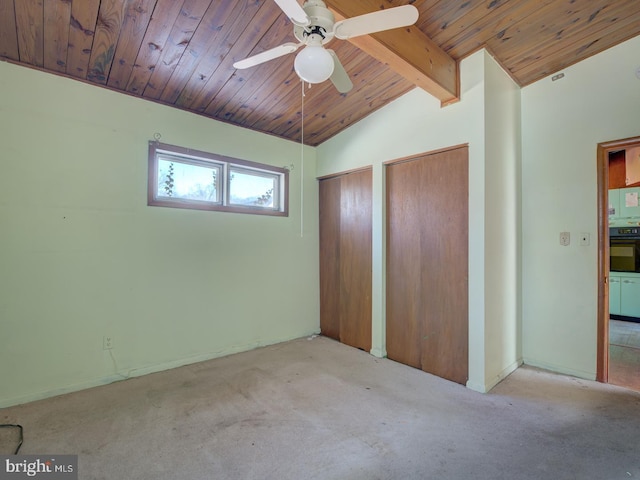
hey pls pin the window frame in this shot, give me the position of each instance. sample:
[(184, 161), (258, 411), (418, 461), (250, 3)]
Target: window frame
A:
[(226, 164)]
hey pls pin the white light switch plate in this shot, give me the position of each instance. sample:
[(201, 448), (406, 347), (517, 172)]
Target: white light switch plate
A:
[(565, 238)]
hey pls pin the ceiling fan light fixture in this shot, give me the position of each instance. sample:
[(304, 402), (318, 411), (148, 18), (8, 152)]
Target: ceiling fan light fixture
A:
[(313, 64)]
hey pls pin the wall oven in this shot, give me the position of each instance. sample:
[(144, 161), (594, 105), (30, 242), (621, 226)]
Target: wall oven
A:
[(624, 249)]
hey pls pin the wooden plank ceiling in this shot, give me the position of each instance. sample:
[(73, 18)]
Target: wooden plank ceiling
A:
[(181, 52)]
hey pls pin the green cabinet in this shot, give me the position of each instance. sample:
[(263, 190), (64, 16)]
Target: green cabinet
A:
[(629, 202), (614, 295), (624, 206), (624, 294), (614, 204), (630, 296)]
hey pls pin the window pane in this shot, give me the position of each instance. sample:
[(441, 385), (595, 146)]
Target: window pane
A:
[(188, 181), (253, 188), (186, 178)]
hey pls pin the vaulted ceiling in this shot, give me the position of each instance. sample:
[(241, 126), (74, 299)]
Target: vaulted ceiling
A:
[(181, 52)]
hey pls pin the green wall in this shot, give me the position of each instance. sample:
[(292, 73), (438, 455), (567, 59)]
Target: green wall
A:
[(83, 256)]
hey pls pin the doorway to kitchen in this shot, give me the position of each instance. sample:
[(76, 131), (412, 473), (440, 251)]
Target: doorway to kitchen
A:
[(618, 354)]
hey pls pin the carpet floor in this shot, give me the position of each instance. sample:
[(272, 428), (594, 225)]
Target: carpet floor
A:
[(316, 409)]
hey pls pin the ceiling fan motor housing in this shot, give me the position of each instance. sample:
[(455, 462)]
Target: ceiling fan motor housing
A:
[(322, 21)]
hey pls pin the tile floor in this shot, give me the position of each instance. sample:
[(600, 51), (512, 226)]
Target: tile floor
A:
[(624, 354)]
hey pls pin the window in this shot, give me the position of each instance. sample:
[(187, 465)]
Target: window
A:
[(184, 178)]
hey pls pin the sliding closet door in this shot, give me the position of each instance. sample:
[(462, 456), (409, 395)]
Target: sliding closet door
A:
[(404, 267), (329, 191), (427, 263), (355, 259), (345, 258)]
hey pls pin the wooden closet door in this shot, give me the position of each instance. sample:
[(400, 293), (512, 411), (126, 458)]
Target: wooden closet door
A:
[(345, 258), (355, 259), (427, 263), (404, 268), (329, 204)]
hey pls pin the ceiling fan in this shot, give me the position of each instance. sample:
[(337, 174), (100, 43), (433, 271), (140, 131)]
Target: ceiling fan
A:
[(314, 26)]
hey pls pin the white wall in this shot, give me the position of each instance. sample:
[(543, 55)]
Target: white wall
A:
[(413, 124), (83, 256), (598, 100), (503, 320)]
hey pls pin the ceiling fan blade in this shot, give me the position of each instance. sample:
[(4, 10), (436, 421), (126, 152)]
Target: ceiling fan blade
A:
[(267, 55), (294, 12), (376, 22), (339, 77)]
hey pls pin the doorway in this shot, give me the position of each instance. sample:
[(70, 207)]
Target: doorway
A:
[(618, 349)]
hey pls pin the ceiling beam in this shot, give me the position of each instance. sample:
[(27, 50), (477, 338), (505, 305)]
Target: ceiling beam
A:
[(407, 51)]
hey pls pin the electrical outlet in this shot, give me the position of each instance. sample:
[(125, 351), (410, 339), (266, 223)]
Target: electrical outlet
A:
[(107, 343), (585, 239), (565, 238)]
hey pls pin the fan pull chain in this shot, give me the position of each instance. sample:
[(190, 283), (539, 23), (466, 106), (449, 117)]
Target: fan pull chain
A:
[(302, 164)]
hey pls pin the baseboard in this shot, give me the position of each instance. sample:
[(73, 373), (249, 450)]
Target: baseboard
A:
[(560, 369), (140, 371), (503, 374), (489, 384), (379, 352), (476, 387)]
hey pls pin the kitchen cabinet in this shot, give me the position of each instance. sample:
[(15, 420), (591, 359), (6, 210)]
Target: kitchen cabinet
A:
[(630, 296), (614, 204), (632, 166), (624, 168), (624, 294), (614, 295), (624, 203), (629, 202)]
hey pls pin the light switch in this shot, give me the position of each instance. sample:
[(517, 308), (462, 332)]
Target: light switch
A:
[(565, 238)]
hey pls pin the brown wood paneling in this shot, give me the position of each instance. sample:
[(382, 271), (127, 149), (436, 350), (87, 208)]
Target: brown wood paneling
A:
[(8, 30), (30, 25), (268, 94), (135, 24), (191, 15), (246, 29), (584, 26), (355, 259), (239, 91), (582, 18), (110, 18), (84, 16), (164, 17), (578, 47), (208, 35), (427, 263), (438, 17), (57, 16), (485, 21), (329, 192)]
